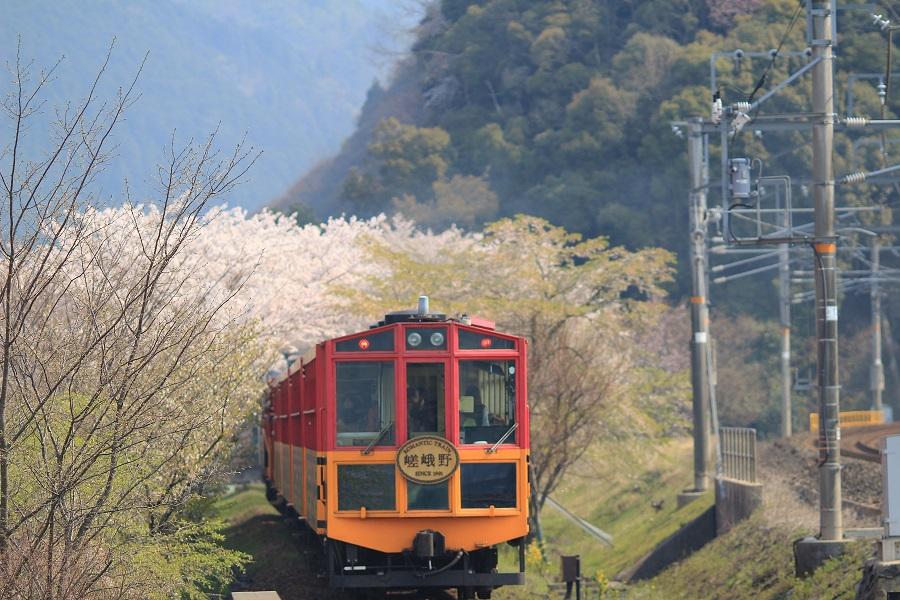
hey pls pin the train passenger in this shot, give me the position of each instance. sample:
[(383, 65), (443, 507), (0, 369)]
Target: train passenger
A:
[(482, 414), (357, 415), (422, 414)]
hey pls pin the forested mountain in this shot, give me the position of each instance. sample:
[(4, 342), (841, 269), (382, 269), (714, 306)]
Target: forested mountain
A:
[(291, 75), (562, 108)]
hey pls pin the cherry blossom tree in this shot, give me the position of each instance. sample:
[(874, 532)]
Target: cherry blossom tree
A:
[(283, 276), (107, 338)]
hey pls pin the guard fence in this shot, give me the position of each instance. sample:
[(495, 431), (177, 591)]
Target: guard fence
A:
[(738, 453)]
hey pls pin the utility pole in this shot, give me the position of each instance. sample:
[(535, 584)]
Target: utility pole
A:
[(728, 121), (784, 306), (876, 375), (825, 248), (699, 307)]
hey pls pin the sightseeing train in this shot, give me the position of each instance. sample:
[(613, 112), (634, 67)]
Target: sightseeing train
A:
[(405, 449)]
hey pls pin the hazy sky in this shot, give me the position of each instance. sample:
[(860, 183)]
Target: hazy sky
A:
[(292, 75)]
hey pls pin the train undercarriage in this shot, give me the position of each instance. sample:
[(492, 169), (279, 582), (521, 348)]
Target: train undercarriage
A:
[(426, 565)]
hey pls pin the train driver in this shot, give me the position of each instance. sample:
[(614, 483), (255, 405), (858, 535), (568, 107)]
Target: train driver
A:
[(422, 414)]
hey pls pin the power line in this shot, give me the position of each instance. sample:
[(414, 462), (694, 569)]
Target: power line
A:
[(765, 74)]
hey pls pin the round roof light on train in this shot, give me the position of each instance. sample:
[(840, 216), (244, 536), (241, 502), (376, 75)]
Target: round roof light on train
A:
[(363, 344), (437, 338), (486, 342), (414, 339)]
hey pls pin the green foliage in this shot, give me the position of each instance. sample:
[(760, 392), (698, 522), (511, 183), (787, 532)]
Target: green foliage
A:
[(564, 107), (404, 160), (463, 201), (521, 269), (189, 561), (750, 349)]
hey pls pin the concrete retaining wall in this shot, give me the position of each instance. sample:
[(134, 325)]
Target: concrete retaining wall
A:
[(681, 544), (735, 501)]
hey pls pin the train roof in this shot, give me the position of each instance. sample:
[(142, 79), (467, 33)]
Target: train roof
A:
[(276, 374)]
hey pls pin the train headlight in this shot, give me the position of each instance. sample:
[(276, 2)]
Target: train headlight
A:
[(437, 338), (414, 339)]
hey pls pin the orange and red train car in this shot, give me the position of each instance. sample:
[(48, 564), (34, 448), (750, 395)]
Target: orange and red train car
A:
[(405, 448)]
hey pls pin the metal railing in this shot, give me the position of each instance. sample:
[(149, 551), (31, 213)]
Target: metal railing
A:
[(850, 418), (738, 453)]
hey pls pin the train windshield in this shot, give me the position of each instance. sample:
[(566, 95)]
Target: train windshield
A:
[(425, 398), (365, 403), (487, 401)]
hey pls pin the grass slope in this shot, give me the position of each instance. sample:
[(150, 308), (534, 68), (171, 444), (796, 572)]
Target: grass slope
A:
[(613, 489), (755, 561)]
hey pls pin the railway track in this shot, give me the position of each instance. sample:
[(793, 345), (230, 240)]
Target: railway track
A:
[(864, 443)]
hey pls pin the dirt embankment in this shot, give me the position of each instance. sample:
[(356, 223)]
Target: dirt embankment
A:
[(788, 468)]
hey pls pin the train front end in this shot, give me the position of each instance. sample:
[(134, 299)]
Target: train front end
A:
[(426, 455)]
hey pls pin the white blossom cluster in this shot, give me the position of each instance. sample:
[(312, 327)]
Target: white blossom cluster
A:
[(281, 274)]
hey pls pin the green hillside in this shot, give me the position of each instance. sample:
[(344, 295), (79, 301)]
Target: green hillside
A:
[(562, 108)]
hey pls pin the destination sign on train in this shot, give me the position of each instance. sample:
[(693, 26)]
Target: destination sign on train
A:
[(427, 460)]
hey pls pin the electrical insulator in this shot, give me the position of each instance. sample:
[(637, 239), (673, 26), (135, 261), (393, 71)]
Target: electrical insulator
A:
[(881, 22), (739, 169), (717, 109), (856, 177)]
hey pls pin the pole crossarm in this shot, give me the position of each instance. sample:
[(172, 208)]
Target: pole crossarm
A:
[(738, 54), (741, 275), (797, 74), (799, 122)]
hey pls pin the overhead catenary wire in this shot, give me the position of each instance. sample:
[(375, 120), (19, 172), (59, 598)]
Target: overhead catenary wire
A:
[(762, 79), (765, 74)]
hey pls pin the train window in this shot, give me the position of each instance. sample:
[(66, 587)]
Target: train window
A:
[(383, 341), (425, 398), (472, 340), (426, 338), (371, 486), (428, 497), (488, 484), (365, 403), (487, 401)]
